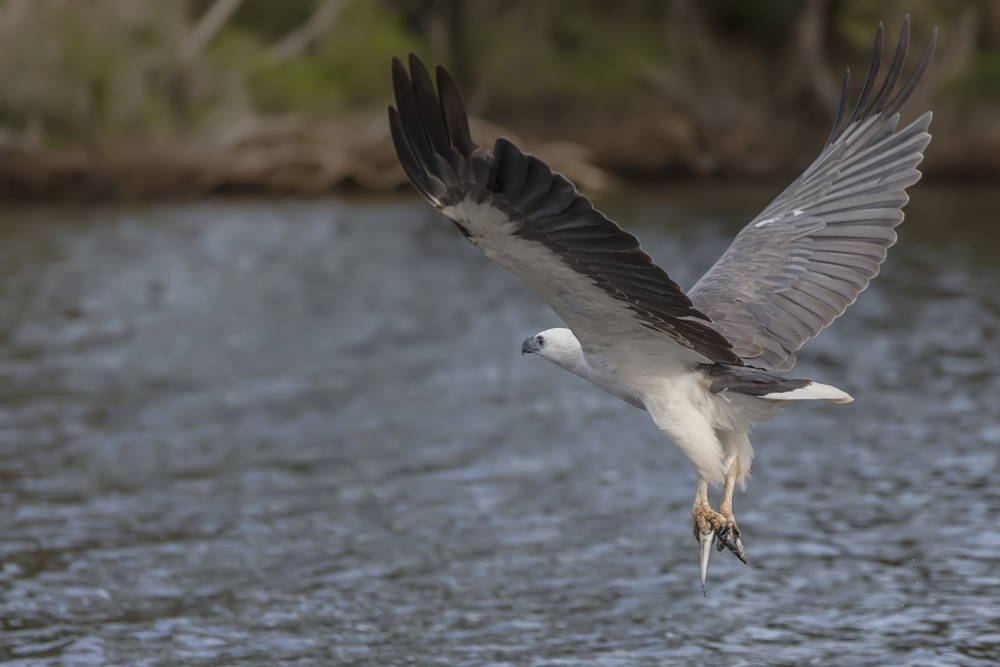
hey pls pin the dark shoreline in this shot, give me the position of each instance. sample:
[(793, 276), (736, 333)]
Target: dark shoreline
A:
[(360, 157)]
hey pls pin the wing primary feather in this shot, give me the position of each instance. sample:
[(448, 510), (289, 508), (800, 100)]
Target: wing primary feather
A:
[(895, 69), (409, 114), (429, 106), (915, 76), (454, 113), (845, 95), (873, 69), (433, 120), (411, 165)]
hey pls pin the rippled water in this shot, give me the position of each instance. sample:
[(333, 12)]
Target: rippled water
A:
[(263, 433)]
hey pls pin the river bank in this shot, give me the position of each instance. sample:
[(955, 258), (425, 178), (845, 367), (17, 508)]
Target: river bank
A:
[(291, 156), (137, 99)]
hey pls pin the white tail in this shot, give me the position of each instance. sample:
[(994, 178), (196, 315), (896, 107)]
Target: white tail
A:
[(812, 391)]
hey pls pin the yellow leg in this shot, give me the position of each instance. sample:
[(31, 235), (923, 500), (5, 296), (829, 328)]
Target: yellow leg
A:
[(726, 505), (726, 510)]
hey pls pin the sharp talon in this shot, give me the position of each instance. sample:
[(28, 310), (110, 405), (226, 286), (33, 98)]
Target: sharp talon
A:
[(734, 546), (740, 553), (724, 540)]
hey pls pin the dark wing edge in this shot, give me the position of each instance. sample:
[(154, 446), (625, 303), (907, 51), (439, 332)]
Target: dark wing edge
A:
[(431, 135), (800, 263)]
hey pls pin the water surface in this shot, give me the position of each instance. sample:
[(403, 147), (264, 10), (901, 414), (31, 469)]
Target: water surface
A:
[(258, 433)]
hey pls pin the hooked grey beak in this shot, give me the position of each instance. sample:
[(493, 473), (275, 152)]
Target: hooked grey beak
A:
[(528, 346)]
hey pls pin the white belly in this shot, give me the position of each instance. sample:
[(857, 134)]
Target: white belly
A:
[(709, 429)]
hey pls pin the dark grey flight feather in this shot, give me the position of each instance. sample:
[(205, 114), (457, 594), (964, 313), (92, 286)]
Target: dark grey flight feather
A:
[(800, 263), (873, 68), (517, 192), (749, 381)]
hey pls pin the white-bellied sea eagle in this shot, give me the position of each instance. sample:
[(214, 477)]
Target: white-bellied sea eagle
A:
[(703, 364)]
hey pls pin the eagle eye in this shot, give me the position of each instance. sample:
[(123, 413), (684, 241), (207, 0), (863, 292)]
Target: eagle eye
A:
[(541, 341)]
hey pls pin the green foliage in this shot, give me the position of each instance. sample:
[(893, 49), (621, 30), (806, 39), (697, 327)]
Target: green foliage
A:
[(349, 68), (86, 68), (570, 48), (91, 68), (266, 19)]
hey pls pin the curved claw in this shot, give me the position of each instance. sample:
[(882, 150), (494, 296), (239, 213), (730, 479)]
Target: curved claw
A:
[(705, 540), (730, 540)]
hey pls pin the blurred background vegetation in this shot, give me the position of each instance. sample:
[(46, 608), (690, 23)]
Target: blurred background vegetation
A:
[(159, 97)]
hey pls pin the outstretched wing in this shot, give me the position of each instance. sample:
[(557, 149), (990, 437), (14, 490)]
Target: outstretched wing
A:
[(800, 263), (532, 221)]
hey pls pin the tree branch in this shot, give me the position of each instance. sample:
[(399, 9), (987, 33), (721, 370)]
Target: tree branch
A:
[(308, 34), (207, 27)]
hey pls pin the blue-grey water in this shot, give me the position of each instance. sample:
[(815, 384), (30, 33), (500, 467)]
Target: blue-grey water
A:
[(259, 433)]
